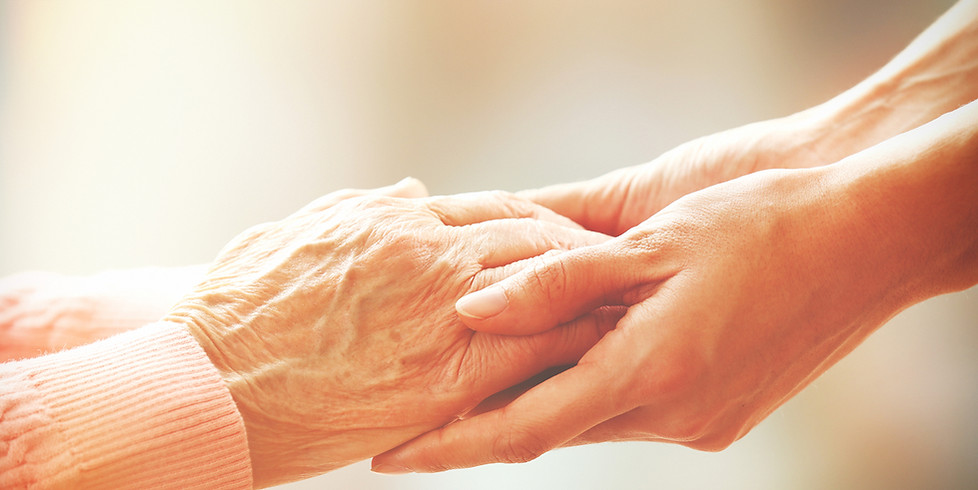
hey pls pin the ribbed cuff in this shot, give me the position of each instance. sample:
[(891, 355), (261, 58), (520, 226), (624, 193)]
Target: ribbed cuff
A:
[(144, 409)]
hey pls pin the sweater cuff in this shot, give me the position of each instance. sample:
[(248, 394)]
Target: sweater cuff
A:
[(144, 409)]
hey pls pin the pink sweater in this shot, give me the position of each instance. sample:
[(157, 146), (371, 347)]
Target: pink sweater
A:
[(143, 409)]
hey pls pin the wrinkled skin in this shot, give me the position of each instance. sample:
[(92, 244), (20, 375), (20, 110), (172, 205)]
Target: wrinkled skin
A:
[(738, 297), (44, 312), (335, 328)]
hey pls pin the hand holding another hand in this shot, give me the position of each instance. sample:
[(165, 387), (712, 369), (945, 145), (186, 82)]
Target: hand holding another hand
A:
[(335, 328), (738, 296), (934, 75), (615, 202)]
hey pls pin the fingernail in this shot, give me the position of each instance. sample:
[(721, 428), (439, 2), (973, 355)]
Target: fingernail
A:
[(483, 304), (389, 469)]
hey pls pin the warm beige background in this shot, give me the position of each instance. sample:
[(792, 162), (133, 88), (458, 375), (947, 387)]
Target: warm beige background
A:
[(135, 133)]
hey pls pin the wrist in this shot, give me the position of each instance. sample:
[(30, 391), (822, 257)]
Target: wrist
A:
[(859, 118), (243, 366), (909, 207), (935, 74)]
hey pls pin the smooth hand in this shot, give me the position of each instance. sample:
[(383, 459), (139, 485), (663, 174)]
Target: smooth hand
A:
[(935, 74), (620, 200), (336, 332), (737, 297)]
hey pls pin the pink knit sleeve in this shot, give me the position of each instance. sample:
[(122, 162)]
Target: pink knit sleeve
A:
[(144, 409), (43, 312)]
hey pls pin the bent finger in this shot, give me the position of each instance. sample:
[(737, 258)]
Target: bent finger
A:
[(504, 241), (550, 291), (545, 354), (570, 200), (595, 204), (476, 207)]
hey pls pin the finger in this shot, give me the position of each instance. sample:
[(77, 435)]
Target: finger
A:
[(570, 200), (408, 187), (505, 397), (629, 426), (551, 291), (513, 358), (503, 241), (476, 207), (546, 417), (546, 354), (595, 204)]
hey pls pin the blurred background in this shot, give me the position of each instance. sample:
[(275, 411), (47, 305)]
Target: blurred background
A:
[(150, 133)]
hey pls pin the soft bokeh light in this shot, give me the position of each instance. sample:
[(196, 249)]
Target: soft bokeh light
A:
[(137, 133)]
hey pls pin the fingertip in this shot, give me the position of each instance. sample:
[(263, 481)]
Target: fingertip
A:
[(409, 457), (483, 304), (388, 469)]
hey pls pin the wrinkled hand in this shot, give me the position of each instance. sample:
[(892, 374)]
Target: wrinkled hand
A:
[(703, 281), (45, 312), (335, 328), (738, 296)]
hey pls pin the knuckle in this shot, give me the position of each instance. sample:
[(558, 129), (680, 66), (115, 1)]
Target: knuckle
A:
[(521, 448), (499, 195), (512, 204), (548, 280), (369, 201), (502, 196)]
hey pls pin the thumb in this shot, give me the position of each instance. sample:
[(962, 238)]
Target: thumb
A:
[(595, 204), (553, 291), (570, 200)]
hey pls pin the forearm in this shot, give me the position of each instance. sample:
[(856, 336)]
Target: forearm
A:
[(935, 74), (912, 209), (886, 228)]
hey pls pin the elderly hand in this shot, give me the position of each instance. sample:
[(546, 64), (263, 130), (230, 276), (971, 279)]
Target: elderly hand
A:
[(738, 296), (45, 312), (335, 328)]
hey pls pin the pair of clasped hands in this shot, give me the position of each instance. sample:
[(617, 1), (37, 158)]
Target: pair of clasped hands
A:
[(680, 301)]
